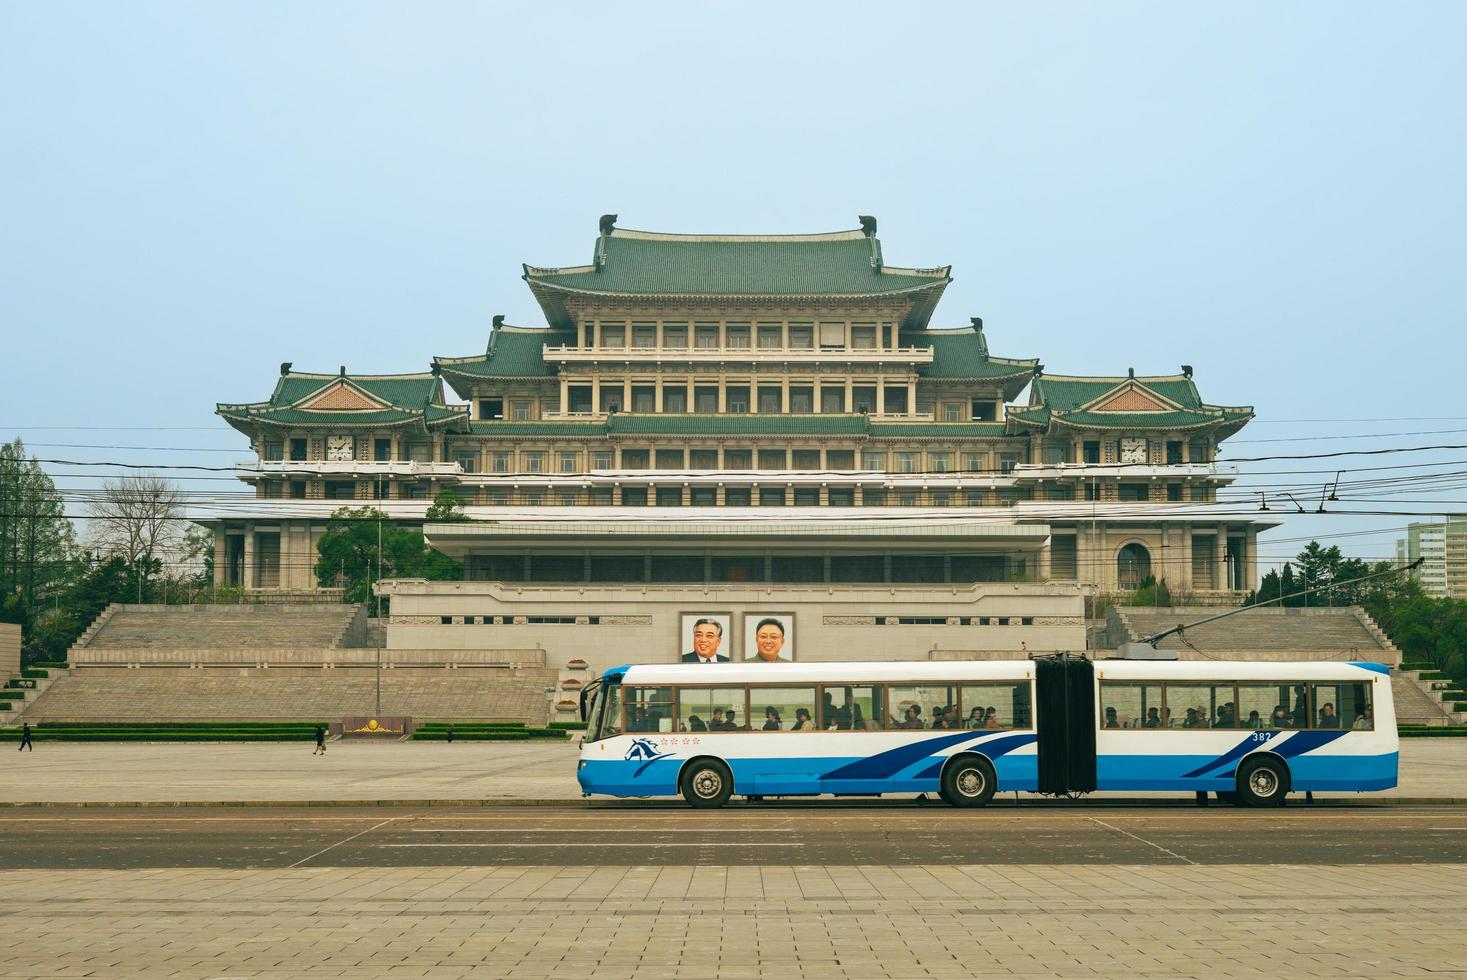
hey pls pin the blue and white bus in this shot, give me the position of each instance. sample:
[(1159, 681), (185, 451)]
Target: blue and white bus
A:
[(1248, 731)]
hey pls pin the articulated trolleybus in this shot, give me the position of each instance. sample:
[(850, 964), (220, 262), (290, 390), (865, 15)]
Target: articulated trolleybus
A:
[(1250, 732)]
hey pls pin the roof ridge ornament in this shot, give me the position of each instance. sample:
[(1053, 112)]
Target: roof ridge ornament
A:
[(284, 368), (1187, 371), (868, 225), (607, 224), (342, 372)]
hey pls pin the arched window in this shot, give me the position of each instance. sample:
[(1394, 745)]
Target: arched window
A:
[(1133, 564)]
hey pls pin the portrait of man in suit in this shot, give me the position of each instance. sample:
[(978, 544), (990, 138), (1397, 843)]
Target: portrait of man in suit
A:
[(705, 638)]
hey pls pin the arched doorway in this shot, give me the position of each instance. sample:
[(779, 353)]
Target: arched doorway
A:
[(1133, 564)]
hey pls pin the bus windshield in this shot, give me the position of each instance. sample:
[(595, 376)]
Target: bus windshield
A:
[(605, 717)]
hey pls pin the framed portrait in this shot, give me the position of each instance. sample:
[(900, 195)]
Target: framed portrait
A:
[(769, 637), (705, 637)]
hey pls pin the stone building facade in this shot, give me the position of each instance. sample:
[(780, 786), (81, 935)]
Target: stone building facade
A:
[(765, 413)]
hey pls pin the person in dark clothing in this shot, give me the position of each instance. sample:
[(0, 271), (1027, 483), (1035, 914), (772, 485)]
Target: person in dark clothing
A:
[(320, 741), (25, 738), (450, 733), (772, 722)]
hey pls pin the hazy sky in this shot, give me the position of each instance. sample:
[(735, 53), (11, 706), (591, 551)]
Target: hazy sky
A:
[(1274, 193)]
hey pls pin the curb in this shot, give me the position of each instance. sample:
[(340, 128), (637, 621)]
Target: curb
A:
[(490, 804)]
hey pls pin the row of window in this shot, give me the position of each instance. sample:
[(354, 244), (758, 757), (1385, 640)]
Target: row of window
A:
[(737, 336), (1247, 705), (845, 569), (811, 708), (1190, 705)]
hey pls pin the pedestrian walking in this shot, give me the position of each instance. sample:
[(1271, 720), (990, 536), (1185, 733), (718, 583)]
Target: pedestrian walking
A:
[(450, 732), (25, 738), (320, 741)]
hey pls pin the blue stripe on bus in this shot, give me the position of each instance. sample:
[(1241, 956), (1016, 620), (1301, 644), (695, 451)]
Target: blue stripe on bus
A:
[(993, 749), (1371, 665), (884, 765), (1253, 740), (1301, 742)]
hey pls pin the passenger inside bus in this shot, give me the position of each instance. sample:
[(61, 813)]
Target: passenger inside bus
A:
[(771, 720), (802, 721), (1327, 716)]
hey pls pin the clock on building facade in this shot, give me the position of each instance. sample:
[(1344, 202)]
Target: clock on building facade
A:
[(339, 448), (1133, 450)]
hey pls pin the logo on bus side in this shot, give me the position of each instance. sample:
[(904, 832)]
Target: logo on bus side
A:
[(642, 750)]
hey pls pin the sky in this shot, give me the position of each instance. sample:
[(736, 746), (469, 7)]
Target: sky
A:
[(192, 193)]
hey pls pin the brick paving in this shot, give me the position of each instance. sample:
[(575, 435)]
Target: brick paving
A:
[(711, 921)]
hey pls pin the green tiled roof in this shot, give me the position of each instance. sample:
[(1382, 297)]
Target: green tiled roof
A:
[(937, 430), (1064, 394), (547, 429), (409, 398), (733, 425), (1057, 400), (642, 263), (513, 352)]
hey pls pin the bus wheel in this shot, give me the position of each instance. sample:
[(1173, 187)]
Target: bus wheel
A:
[(1263, 781), (707, 784), (969, 780)]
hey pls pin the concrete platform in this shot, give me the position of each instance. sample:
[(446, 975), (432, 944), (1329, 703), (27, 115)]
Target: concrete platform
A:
[(509, 773)]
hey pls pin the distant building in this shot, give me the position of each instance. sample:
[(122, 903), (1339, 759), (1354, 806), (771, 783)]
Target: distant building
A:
[(1443, 550), (768, 415)]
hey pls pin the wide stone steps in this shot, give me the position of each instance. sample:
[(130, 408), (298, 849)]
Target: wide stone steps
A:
[(1260, 631), (262, 626), (293, 694)]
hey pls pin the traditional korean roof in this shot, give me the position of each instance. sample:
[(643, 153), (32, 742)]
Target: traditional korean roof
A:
[(539, 429), (512, 353), (961, 354), (1161, 402), (656, 265), (347, 401), (937, 430)]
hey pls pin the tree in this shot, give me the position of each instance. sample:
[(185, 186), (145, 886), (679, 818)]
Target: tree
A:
[(361, 547), (37, 544), (139, 519)]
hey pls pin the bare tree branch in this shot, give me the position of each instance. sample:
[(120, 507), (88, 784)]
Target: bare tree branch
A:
[(139, 518)]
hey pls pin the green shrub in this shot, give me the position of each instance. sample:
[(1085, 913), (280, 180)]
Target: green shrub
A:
[(1434, 675), (570, 726), (1417, 665), (35, 673)]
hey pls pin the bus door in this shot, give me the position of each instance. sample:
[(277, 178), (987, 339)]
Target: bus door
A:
[(1065, 715)]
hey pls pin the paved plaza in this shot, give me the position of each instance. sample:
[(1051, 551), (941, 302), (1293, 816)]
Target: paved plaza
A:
[(361, 771), (762, 921)]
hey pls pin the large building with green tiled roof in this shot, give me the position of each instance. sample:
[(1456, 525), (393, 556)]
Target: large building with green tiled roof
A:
[(786, 404)]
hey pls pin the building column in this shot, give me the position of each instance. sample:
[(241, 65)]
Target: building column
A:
[(722, 334), (692, 391), (1186, 583), (817, 394), (564, 394), (657, 389), (722, 393), (221, 551), (784, 393), (880, 405), (595, 392), (912, 395), (850, 394), (249, 579), (626, 393), (659, 340), (1220, 560), (595, 333), (753, 393)]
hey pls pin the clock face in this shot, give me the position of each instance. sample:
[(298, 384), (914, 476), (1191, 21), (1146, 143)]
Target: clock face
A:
[(339, 448), (1133, 450)]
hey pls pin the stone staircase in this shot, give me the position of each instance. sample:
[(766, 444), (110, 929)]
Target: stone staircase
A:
[(1343, 633), (125, 626), (295, 694), (1422, 698), (19, 704)]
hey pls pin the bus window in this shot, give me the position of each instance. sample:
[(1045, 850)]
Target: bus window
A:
[(608, 711), (782, 709), (927, 706), (1343, 706), (711, 709), (854, 708), (1130, 705), (1263, 706), (1003, 705), (1201, 705), (1297, 705), (649, 709)]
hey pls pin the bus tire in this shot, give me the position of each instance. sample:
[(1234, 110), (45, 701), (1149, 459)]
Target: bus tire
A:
[(968, 780), (1263, 781), (706, 784)]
